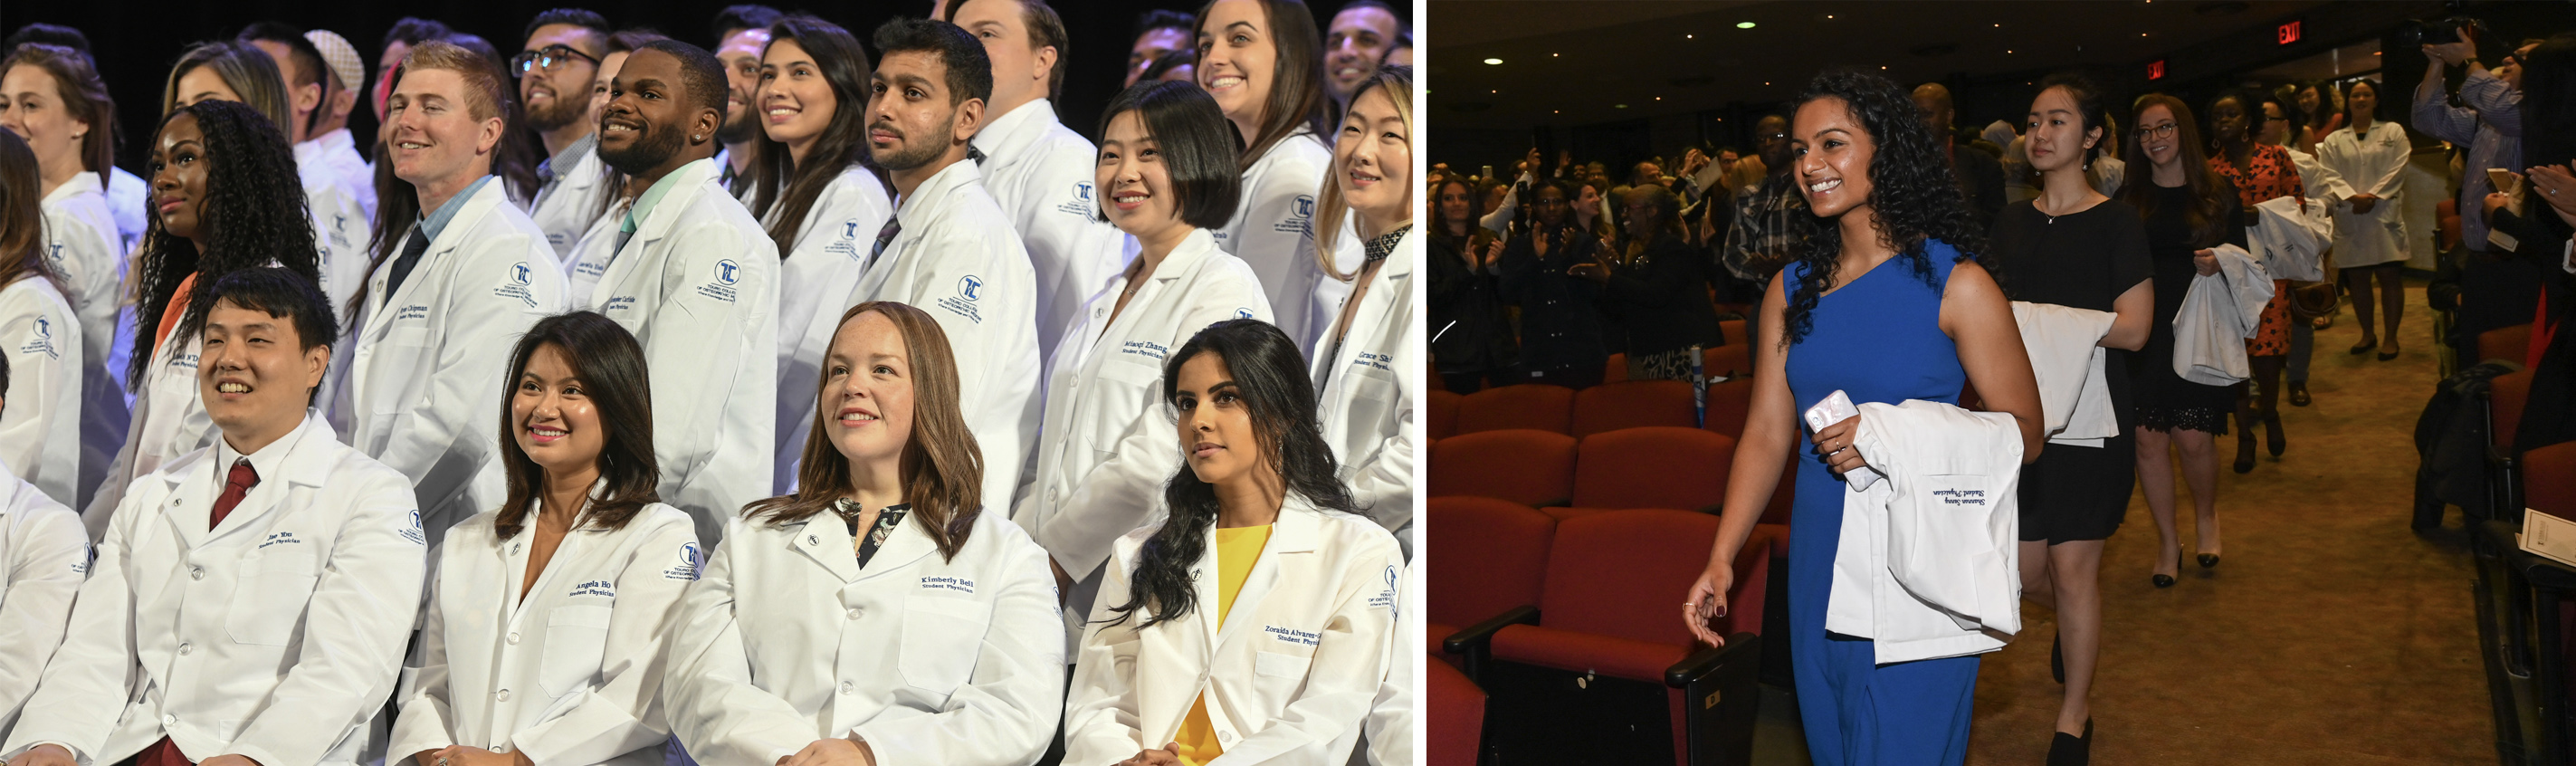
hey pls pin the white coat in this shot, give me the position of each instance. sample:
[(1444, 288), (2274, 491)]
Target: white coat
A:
[(566, 210), (1040, 172), (169, 421), (591, 254), (1366, 394), (127, 195), (2373, 164), (336, 154), (1110, 440), (428, 367), (1928, 561), (2289, 241), (43, 557), (817, 276), (697, 284), (40, 414), (342, 225), (87, 253), (276, 635), (565, 671), (2219, 312), (1391, 722), (2067, 357), (957, 259), (1273, 229), (1290, 675), (786, 640)]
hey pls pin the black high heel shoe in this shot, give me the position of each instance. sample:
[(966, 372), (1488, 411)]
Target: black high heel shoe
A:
[(2070, 750), (2161, 581), (2245, 451), (2208, 561), (2275, 440)]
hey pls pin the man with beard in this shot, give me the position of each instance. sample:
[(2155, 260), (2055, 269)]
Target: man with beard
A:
[(556, 66), (950, 249), (694, 277), (742, 35), (1035, 168), (1356, 43)]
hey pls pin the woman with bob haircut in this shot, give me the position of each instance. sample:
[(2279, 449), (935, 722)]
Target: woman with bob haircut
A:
[(1368, 366), (1259, 525), (822, 200), (1165, 176), (1891, 299), (561, 593), (1264, 64), (879, 613), (224, 198)]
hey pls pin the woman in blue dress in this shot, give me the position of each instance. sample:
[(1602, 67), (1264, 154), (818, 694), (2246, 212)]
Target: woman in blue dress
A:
[(1891, 300)]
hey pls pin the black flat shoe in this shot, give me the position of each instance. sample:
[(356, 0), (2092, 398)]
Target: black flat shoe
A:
[(2387, 355), (2070, 750), (2363, 348), (2057, 659), (2245, 454), (2274, 440), (2299, 395), (2208, 561)]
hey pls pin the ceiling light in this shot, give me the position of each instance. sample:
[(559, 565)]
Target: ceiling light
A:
[(1618, 106), (1659, 98), (1829, 15), (1743, 25), (1690, 37), (1492, 62)]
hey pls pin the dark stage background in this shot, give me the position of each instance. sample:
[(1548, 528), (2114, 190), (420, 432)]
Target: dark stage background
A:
[(135, 42)]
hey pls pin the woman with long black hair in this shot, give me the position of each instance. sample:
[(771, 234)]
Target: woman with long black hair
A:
[(225, 197), (1166, 669), (2188, 210), (588, 560), (1892, 299), (823, 202)]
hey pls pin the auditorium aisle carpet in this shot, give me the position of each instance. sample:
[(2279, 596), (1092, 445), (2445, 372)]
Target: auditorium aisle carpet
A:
[(2329, 634)]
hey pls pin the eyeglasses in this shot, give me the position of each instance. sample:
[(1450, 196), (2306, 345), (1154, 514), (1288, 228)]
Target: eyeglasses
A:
[(2163, 131), (548, 58)]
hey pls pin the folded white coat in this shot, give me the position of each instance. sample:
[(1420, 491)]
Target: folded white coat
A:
[(2219, 312), (1927, 565), (2066, 354), (2291, 242)]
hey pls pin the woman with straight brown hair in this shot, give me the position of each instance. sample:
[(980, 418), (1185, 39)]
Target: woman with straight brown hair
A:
[(40, 343), (878, 613), (1264, 63), (586, 558), (52, 97)]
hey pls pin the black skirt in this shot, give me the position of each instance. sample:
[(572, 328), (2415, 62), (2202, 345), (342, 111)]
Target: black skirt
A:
[(2078, 493)]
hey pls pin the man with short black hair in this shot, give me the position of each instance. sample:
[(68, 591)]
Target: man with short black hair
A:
[(951, 250), (1036, 169), (556, 66), (1356, 44), (742, 35), (1159, 33), (251, 599), (694, 277), (343, 207)]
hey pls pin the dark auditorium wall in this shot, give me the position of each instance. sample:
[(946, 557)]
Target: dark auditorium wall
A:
[(135, 40)]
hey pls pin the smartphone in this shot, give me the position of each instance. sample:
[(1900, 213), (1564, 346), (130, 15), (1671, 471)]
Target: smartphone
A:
[(1489, 173), (1835, 408), (2503, 180)]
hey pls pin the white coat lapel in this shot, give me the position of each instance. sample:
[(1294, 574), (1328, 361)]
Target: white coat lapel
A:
[(907, 544), (826, 541), (1294, 532)]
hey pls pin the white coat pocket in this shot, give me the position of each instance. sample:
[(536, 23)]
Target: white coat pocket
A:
[(576, 637), (1126, 380), (941, 639), (1278, 676), (269, 601)]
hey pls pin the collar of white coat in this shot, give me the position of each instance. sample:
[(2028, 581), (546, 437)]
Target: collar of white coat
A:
[(1299, 528), (935, 188), (81, 182), (598, 488), (293, 457), (334, 142), (687, 182), (1279, 150), (1007, 136), (1407, 255), (825, 539), (1193, 250)]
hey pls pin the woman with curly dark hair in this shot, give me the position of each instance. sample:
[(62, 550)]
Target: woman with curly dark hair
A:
[(1874, 177), (2260, 172), (225, 197)]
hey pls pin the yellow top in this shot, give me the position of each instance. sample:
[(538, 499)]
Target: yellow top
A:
[(1236, 549)]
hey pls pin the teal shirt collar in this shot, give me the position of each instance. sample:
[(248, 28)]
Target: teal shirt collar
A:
[(436, 221), (644, 202)]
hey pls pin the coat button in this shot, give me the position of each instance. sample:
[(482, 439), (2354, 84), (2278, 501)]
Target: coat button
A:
[(813, 540), (514, 548), (185, 648), (504, 696), (854, 614), (514, 638), (197, 573), (169, 720), (846, 687), (496, 748), (1051, 494)]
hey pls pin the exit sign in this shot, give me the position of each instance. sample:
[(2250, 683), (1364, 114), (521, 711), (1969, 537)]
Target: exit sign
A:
[(2156, 69), (2287, 33)]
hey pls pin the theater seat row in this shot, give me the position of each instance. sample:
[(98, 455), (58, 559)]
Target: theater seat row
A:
[(1651, 467), (1606, 407)]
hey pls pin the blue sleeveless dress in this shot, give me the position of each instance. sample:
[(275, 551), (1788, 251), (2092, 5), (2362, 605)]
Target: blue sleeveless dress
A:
[(1878, 339)]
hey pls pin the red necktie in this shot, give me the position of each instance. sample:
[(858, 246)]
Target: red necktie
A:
[(237, 484)]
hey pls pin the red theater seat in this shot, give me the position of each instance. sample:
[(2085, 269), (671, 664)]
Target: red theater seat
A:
[(1656, 467), (1633, 404), (2512, 344), (1533, 468), (1493, 556), (1441, 420), (1456, 711), (1536, 407), (2549, 480), (1728, 404)]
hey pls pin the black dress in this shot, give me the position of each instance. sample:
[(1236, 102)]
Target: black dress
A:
[(2164, 400), (2080, 260), (1474, 338), (1661, 298)]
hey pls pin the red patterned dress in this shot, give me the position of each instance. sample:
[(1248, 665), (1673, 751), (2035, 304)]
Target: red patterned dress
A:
[(2269, 174)]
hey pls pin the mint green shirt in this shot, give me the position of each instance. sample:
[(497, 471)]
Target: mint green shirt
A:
[(644, 202)]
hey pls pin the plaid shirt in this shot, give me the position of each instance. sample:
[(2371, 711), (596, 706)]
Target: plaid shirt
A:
[(1764, 237)]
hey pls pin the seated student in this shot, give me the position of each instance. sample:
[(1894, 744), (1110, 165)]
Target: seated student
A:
[(881, 613), (695, 278), (250, 602), (47, 554), (1167, 168), (39, 335), (448, 294), (224, 199), (1167, 670), (586, 561)]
